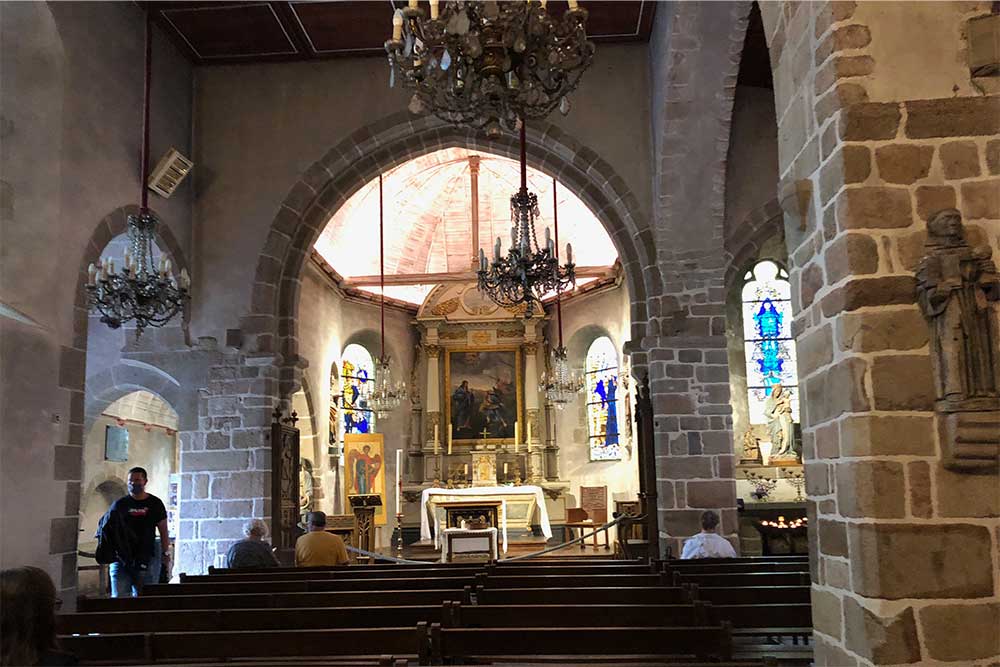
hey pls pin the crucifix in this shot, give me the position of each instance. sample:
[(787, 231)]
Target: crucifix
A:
[(486, 432)]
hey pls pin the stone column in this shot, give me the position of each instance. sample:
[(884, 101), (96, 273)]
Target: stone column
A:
[(535, 455), (905, 551), (432, 416), (551, 448), (474, 204)]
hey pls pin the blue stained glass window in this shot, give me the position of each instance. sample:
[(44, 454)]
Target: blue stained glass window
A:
[(602, 400), (770, 350), (357, 381)]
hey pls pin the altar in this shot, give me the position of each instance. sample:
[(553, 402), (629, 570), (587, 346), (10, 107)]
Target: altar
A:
[(517, 508)]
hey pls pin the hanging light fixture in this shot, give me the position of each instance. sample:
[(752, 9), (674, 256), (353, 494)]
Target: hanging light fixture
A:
[(386, 395), (487, 64), (139, 293), (528, 271), (559, 383)]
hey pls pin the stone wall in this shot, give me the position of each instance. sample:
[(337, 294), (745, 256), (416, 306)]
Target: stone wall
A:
[(905, 552), (71, 131)]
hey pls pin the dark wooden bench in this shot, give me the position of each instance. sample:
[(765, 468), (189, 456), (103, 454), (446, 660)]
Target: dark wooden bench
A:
[(329, 574), (584, 595), (274, 618), (756, 579), (570, 616), (274, 600), (561, 562), (584, 644), (738, 568), (525, 570), (750, 595), (158, 647), (305, 586), (803, 558), (570, 580)]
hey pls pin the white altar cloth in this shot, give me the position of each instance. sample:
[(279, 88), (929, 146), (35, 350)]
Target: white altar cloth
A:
[(487, 492), (474, 541)]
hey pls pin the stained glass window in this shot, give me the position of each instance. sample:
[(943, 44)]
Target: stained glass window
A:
[(767, 338), (602, 400), (357, 379)]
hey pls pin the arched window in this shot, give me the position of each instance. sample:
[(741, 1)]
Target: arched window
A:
[(602, 400), (357, 378), (767, 338)]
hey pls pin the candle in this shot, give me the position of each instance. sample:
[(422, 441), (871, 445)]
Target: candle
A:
[(505, 469), (436, 447), (466, 471), (91, 274), (496, 250), (515, 437), (434, 9), (413, 4), (397, 25), (185, 279), (569, 253), (399, 481), (449, 438), (572, 4), (544, 2), (529, 435)]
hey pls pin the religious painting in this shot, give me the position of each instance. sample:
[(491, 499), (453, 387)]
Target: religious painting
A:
[(768, 343), (603, 385), (484, 397), (364, 469)]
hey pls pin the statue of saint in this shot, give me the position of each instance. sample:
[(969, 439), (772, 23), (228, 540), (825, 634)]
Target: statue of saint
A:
[(778, 410), (955, 287)]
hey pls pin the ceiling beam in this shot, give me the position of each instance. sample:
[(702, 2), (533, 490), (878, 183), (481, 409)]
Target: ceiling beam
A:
[(454, 277)]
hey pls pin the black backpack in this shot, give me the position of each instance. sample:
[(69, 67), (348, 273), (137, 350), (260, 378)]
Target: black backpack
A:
[(114, 539)]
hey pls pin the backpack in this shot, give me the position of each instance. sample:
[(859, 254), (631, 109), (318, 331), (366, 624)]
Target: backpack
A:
[(114, 539)]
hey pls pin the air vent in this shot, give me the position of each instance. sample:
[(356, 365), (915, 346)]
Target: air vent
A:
[(169, 172)]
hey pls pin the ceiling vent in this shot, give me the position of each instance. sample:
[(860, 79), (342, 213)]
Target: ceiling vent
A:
[(169, 172)]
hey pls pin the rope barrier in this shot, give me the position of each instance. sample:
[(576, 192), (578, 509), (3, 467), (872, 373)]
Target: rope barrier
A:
[(533, 554)]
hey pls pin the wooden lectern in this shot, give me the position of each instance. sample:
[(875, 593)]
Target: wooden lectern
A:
[(363, 505)]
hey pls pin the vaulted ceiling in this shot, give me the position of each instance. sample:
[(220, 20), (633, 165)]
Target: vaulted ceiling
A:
[(428, 220), (233, 32)]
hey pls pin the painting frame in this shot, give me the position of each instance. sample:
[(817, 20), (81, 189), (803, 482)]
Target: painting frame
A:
[(450, 370), (354, 444)]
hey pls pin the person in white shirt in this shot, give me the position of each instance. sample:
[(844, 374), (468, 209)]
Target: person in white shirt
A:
[(708, 543)]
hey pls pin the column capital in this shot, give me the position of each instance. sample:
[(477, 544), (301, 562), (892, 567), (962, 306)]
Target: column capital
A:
[(433, 351)]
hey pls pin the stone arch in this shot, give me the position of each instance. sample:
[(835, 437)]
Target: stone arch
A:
[(744, 243), (126, 377), (271, 325)]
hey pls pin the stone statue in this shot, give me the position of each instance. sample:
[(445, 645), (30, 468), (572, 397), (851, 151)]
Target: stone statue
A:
[(957, 290), (751, 446), (305, 485), (778, 410)]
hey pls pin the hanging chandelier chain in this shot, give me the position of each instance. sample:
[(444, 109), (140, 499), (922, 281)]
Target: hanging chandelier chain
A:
[(139, 293)]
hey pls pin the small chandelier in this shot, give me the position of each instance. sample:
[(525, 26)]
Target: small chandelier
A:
[(138, 293), (386, 395), (528, 272), (487, 64), (559, 384)]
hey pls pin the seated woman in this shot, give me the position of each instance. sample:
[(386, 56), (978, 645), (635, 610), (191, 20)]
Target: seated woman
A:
[(28, 619), (252, 551), (708, 543)]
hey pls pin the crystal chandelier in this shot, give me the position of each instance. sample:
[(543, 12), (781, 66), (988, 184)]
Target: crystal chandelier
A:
[(559, 384), (528, 271), (138, 292), (386, 395), (487, 64)]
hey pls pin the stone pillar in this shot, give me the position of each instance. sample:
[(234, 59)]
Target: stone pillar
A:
[(474, 204), (905, 556), (551, 448), (433, 396), (535, 453)]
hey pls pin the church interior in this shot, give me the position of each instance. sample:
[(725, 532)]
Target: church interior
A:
[(514, 293)]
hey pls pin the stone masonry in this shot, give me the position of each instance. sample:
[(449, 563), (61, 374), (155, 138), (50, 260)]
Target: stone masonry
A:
[(904, 552)]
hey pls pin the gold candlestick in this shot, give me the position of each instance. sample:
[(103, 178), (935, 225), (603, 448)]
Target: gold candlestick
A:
[(399, 529)]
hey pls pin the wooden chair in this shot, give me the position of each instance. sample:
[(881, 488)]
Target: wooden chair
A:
[(592, 513)]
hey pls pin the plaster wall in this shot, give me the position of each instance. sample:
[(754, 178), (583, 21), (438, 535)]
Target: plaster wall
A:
[(586, 318), (752, 162), (290, 115), (71, 131), (328, 323)]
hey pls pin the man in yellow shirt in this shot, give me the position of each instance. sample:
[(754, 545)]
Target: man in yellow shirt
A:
[(318, 547)]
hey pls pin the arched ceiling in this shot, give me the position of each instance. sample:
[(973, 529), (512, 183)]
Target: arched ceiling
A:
[(428, 221)]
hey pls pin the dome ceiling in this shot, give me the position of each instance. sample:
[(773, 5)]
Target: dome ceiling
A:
[(428, 221)]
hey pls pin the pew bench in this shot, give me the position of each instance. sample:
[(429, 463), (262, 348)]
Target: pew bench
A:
[(736, 568), (484, 580), (582, 595), (380, 598), (305, 585), (579, 645), (744, 579), (338, 572), (164, 647), (458, 615), (722, 595)]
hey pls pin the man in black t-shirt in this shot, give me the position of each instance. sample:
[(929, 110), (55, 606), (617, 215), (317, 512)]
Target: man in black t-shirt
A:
[(144, 515)]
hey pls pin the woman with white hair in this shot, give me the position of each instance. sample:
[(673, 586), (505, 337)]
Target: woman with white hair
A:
[(252, 551)]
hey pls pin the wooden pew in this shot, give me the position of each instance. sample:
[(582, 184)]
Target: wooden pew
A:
[(158, 647), (381, 598), (321, 575), (561, 562), (750, 595), (738, 568), (755, 579), (458, 615), (305, 586), (584, 595), (569, 580), (274, 618), (803, 558), (546, 570), (584, 644)]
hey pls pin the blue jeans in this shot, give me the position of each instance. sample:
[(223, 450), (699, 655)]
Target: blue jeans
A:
[(128, 581)]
